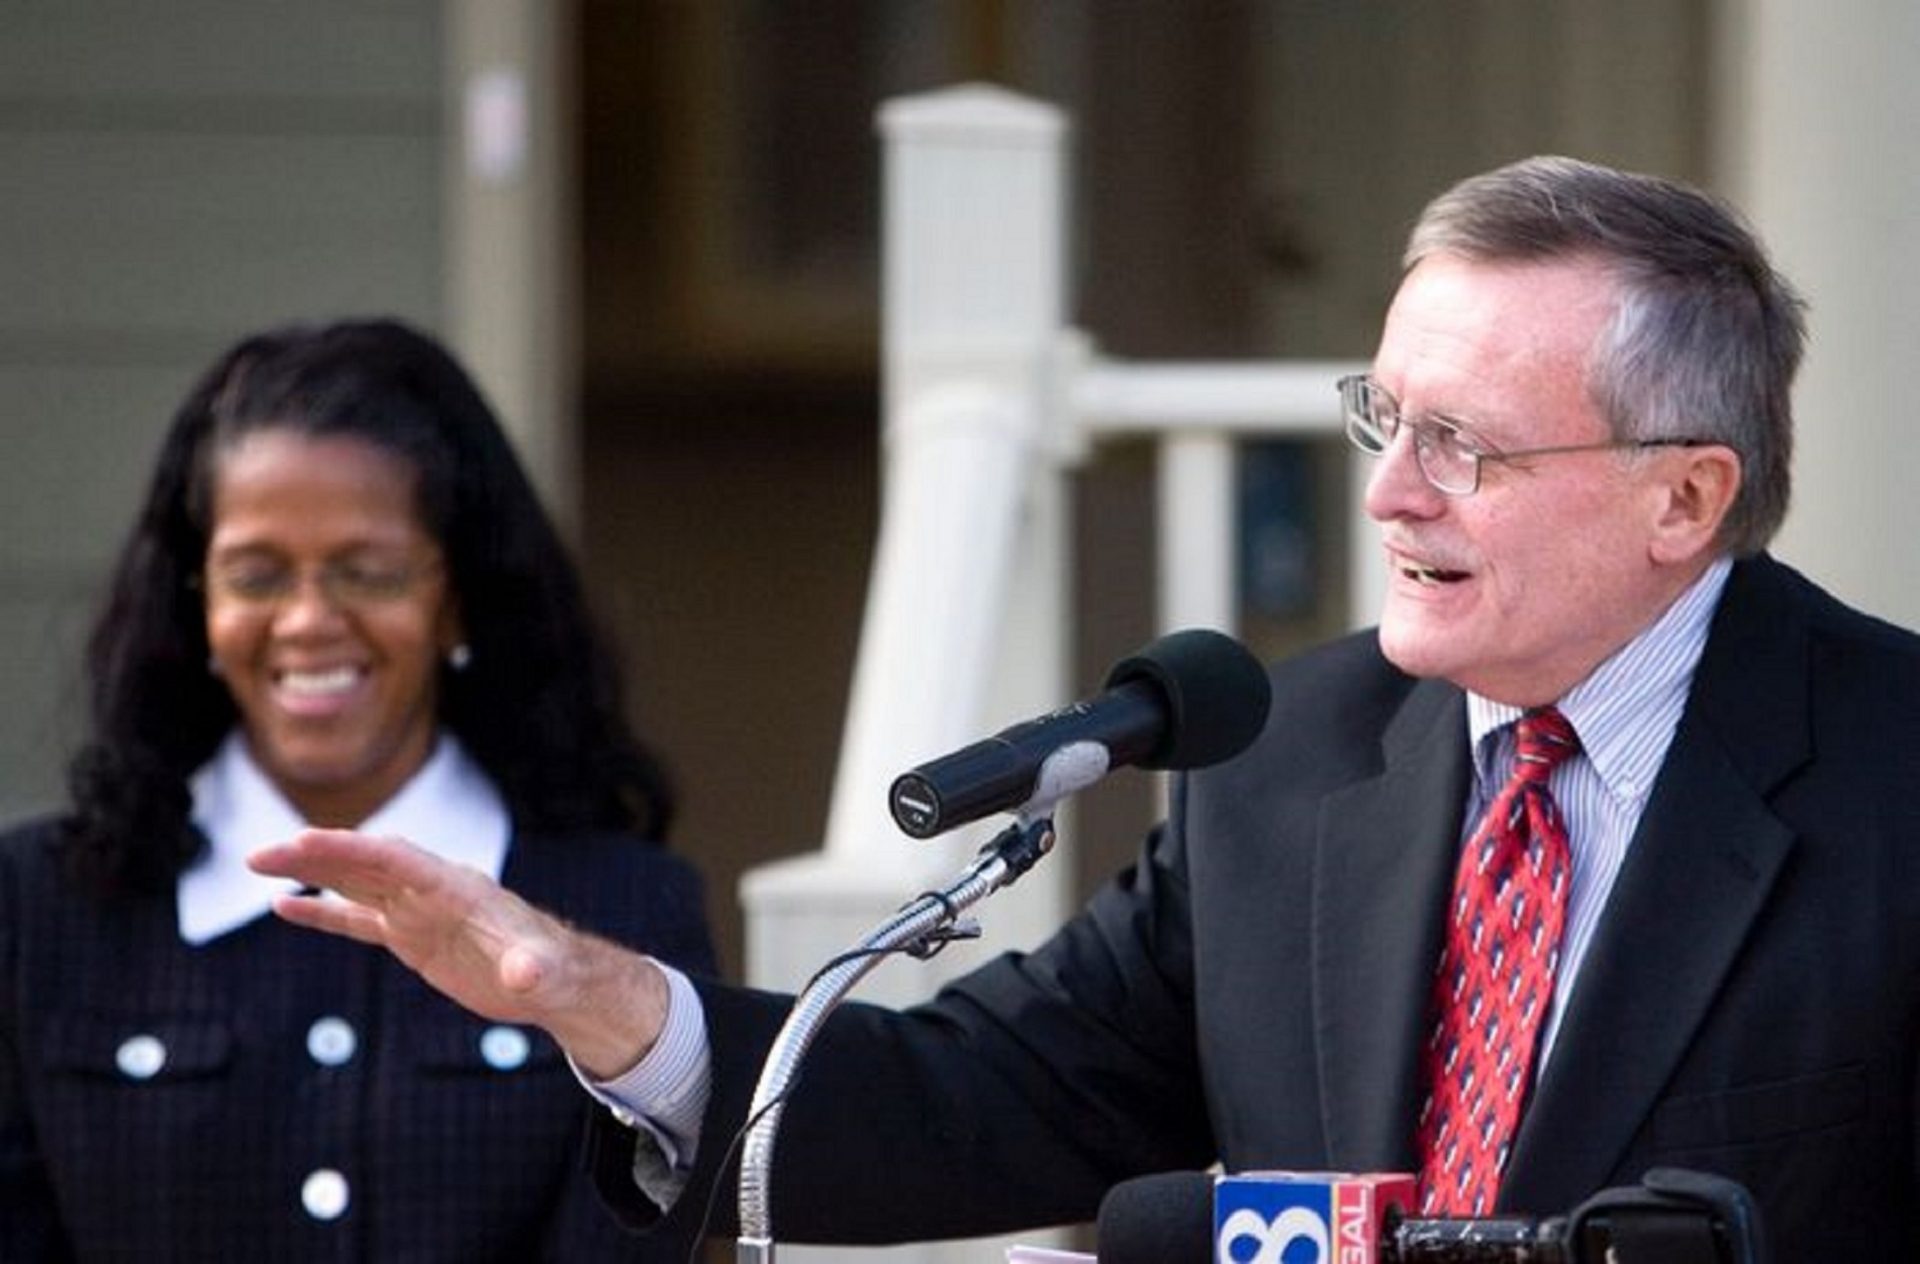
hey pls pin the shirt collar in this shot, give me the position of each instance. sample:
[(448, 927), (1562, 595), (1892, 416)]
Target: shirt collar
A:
[(1628, 707), (449, 807)]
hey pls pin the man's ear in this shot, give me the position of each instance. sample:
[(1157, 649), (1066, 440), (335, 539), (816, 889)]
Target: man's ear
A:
[(1697, 485)]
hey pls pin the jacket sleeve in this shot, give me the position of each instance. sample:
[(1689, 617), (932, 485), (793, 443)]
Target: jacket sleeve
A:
[(1012, 1100)]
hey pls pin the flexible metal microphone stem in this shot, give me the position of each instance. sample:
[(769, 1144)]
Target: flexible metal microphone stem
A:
[(920, 923)]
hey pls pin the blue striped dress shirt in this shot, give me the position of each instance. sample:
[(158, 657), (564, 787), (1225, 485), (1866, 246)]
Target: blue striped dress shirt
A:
[(1625, 712)]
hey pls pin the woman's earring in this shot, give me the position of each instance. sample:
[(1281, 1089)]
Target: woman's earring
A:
[(459, 656)]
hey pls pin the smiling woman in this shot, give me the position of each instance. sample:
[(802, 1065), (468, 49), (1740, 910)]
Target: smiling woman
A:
[(341, 604), (336, 680)]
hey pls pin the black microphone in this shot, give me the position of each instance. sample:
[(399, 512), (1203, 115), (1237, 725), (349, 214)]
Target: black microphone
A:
[(1189, 699), (1675, 1216), (1165, 1218)]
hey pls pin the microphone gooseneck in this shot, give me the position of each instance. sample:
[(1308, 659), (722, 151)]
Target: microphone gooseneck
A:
[(1158, 703)]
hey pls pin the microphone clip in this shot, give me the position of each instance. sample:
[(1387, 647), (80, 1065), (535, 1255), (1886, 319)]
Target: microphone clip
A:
[(1020, 846), (929, 945)]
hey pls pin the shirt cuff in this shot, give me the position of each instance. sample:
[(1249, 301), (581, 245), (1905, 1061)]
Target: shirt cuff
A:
[(665, 1094)]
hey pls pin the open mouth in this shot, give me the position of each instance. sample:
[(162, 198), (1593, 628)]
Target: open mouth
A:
[(1428, 576), (318, 684)]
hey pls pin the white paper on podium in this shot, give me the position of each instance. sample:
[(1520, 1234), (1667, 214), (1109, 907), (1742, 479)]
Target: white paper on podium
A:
[(1045, 1255)]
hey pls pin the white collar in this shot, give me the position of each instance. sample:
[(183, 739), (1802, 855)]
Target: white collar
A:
[(450, 807)]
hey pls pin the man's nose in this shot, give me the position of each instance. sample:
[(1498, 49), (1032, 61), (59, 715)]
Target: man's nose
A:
[(1396, 487)]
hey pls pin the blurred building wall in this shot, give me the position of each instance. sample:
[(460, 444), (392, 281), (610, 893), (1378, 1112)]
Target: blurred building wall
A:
[(172, 176)]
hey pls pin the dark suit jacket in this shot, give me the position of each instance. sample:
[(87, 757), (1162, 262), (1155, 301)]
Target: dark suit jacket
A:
[(447, 1157), (1254, 989)]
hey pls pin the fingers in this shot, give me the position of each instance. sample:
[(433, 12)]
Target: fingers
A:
[(459, 930), (333, 916), (373, 860), (474, 941), (341, 859)]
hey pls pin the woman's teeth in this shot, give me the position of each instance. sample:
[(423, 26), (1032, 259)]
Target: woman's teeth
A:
[(332, 681)]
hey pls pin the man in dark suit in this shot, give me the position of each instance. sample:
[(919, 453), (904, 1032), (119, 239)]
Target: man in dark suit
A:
[(1710, 878)]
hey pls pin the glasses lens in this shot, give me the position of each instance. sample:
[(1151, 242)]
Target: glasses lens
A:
[(1369, 414), (249, 585), (1448, 458), (369, 583)]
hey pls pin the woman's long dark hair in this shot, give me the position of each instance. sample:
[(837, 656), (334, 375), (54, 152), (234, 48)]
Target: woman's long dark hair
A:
[(539, 705)]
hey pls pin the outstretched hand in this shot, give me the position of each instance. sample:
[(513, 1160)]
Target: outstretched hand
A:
[(474, 941)]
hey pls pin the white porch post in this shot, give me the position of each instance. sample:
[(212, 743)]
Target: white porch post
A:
[(964, 629)]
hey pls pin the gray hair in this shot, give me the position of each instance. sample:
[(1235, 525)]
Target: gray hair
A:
[(1706, 337)]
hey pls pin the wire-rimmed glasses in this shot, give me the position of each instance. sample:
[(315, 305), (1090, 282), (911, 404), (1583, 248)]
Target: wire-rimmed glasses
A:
[(1448, 453)]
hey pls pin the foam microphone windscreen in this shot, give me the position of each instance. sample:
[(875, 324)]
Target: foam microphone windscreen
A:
[(1216, 695), (1165, 1218)]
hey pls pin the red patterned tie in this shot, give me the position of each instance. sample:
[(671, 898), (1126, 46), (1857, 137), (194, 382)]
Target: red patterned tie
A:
[(1495, 981)]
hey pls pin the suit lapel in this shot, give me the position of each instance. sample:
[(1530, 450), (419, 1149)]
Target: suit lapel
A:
[(1384, 864), (1707, 843)]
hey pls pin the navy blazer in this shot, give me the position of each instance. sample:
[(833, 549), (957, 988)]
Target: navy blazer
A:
[(283, 1095), (1254, 989)]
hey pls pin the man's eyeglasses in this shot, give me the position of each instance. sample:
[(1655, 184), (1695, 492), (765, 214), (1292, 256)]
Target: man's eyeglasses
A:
[(1449, 454), (352, 585)]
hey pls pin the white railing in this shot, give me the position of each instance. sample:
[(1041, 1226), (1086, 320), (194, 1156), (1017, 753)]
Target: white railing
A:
[(1201, 410), (990, 401)]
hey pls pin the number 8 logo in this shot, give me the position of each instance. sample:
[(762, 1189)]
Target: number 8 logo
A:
[(1271, 1240)]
